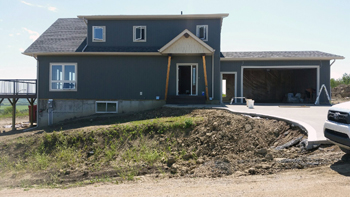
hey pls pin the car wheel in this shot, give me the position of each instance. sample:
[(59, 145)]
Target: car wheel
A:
[(347, 151)]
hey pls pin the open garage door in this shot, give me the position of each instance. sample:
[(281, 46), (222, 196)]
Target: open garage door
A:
[(280, 85)]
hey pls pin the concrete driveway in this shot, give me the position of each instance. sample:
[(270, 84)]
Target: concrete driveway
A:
[(311, 118)]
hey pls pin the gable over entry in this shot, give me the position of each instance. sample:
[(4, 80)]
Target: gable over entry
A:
[(187, 43)]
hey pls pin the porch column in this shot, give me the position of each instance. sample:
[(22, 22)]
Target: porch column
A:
[(167, 78), (205, 77), (13, 103)]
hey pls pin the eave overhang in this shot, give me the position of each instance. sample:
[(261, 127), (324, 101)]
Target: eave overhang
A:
[(280, 58)]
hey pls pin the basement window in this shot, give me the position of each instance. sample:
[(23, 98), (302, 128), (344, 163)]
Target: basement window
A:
[(63, 77), (98, 33), (139, 33), (202, 32), (106, 106)]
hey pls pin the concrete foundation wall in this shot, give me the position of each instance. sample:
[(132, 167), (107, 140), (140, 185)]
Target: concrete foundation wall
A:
[(69, 109)]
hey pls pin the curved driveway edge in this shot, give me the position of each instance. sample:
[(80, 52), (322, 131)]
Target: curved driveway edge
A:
[(308, 118)]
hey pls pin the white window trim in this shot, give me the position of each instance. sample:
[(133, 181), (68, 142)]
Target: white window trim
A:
[(103, 34), (206, 32), (106, 112), (134, 33), (291, 67), (64, 81), (177, 77)]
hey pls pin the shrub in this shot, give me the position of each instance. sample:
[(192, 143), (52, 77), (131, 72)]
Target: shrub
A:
[(8, 110)]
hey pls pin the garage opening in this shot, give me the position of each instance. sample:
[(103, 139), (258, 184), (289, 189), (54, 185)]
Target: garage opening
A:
[(228, 87), (280, 85)]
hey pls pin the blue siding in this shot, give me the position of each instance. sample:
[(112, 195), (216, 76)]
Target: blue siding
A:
[(119, 33), (120, 77)]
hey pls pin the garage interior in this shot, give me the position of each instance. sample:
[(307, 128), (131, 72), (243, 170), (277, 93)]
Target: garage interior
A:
[(280, 85)]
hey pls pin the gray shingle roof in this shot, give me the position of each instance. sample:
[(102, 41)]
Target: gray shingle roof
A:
[(64, 35), (279, 55)]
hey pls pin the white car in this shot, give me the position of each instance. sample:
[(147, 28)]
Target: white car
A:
[(337, 126)]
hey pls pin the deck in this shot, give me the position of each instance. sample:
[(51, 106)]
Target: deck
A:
[(14, 89)]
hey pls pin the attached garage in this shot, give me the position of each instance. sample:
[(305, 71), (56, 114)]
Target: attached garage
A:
[(276, 76), (280, 85)]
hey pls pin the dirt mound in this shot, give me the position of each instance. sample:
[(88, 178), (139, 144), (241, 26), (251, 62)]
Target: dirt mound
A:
[(163, 142), (341, 91), (225, 143)]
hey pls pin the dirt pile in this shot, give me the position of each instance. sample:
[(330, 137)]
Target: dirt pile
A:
[(341, 91), (226, 143), (163, 142)]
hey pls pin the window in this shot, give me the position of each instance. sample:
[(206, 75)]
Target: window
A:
[(139, 33), (63, 77), (106, 106), (202, 32), (98, 34)]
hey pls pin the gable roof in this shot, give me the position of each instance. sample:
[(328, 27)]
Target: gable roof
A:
[(278, 55), (186, 43), (64, 35)]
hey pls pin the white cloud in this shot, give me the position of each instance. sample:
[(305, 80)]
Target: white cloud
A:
[(18, 34), (53, 9), (21, 50), (50, 8), (33, 35), (27, 3), (11, 35)]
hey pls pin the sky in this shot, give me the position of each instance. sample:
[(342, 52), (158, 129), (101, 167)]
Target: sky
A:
[(252, 25)]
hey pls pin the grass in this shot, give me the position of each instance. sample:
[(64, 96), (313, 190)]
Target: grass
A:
[(128, 148), (6, 111)]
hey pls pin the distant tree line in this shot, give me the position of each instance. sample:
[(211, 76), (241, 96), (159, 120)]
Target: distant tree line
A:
[(343, 80)]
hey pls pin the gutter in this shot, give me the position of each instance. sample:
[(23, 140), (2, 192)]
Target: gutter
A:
[(279, 58)]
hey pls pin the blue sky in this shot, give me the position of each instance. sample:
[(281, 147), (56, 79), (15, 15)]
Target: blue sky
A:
[(252, 25)]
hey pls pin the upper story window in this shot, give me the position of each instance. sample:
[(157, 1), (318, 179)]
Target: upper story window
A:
[(139, 33), (202, 32), (98, 34), (63, 77)]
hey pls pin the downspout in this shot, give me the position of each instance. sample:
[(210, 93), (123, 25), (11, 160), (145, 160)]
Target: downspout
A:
[(332, 62), (212, 76), (87, 39)]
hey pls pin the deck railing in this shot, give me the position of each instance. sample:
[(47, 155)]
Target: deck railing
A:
[(18, 87)]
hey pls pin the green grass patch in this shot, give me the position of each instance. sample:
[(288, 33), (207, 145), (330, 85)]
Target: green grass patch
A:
[(128, 148), (21, 111)]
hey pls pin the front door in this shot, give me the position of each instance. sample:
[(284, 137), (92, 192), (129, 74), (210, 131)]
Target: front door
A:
[(187, 80)]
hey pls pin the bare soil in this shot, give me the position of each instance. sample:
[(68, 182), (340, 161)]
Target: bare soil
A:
[(221, 145), (341, 94), (311, 182)]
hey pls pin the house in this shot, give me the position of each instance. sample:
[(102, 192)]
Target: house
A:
[(124, 63)]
